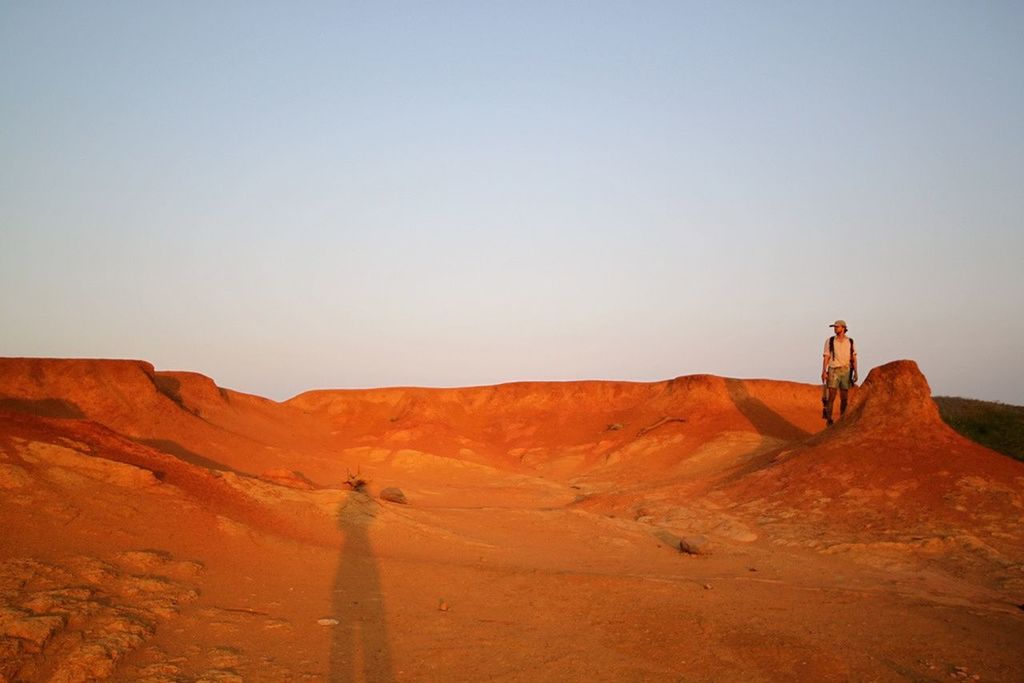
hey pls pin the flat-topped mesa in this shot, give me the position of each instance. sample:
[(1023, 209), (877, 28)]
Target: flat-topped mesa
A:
[(550, 419), (106, 390), (537, 396), (109, 391), (704, 393)]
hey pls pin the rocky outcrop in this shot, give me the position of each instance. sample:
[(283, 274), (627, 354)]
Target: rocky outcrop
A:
[(55, 460), (73, 621), (288, 478), (895, 394), (393, 494)]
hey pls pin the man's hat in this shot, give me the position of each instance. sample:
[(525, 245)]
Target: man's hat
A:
[(839, 323)]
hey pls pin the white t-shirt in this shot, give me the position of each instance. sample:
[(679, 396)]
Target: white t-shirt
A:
[(842, 357)]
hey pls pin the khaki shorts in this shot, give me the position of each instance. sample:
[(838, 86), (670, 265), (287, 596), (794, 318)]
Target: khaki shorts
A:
[(839, 378)]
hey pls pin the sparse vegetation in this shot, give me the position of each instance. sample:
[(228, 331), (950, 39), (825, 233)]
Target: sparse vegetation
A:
[(356, 482), (999, 426)]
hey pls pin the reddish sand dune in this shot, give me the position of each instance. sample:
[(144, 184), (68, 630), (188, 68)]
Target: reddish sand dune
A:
[(157, 527)]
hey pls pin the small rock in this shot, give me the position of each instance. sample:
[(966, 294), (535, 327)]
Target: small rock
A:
[(33, 629), (271, 624), (694, 545), (442, 605), (707, 586), (328, 622), (224, 657), (393, 494)]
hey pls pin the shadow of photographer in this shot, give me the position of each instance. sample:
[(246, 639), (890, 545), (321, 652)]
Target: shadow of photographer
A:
[(360, 650)]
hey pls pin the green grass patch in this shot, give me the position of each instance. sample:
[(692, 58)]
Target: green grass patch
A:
[(998, 426)]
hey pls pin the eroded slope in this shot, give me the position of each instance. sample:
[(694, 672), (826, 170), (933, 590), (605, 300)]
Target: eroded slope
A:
[(158, 527)]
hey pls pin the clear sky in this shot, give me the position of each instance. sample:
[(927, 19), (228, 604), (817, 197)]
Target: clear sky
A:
[(287, 196)]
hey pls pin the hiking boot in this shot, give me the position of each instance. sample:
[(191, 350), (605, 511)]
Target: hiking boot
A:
[(828, 422)]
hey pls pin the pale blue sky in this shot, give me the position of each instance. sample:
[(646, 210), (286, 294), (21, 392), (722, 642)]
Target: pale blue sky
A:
[(293, 196)]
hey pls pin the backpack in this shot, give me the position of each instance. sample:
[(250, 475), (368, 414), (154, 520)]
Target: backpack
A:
[(853, 352)]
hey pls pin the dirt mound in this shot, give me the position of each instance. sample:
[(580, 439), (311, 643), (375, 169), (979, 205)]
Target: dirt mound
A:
[(895, 398), (893, 405), (890, 463)]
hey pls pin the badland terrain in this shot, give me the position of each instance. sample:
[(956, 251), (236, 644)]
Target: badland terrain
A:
[(157, 527)]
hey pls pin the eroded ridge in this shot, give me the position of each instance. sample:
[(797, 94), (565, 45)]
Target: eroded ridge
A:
[(158, 527)]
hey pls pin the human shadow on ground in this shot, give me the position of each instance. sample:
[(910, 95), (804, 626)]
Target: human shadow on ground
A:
[(360, 650), (765, 420)]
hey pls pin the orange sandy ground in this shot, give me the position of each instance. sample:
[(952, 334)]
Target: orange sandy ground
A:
[(157, 527)]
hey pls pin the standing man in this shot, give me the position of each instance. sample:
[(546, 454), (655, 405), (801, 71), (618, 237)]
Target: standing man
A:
[(838, 368)]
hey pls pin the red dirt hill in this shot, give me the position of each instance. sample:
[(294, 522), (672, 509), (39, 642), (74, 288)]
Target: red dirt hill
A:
[(159, 527)]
